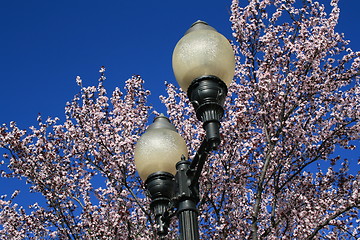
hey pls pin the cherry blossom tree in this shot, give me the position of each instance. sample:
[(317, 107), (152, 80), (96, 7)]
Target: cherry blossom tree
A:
[(294, 99)]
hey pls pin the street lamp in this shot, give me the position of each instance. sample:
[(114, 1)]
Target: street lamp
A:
[(203, 64), (156, 154)]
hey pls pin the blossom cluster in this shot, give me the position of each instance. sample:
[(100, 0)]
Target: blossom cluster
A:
[(84, 169)]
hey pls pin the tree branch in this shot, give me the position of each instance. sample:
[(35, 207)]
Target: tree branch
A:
[(326, 222)]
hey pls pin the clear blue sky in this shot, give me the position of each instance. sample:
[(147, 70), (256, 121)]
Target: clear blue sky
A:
[(45, 44)]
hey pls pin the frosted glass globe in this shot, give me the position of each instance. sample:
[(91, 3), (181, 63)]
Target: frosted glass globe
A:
[(159, 149), (200, 52)]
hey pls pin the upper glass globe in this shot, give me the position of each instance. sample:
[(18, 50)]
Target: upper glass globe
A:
[(202, 51)]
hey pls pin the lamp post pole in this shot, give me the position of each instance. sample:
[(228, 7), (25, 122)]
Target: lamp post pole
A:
[(186, 202), (203, 63)]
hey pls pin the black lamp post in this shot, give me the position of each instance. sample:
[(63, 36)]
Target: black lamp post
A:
[(203, 63)]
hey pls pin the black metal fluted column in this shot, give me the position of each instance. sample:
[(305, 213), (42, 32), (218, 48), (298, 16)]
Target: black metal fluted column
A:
[(187, 200), (189, 227)]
